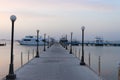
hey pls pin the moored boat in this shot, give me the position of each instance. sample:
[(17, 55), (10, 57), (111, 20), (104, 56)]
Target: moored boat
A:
[(2, 44), (31, 40), (99, 41)]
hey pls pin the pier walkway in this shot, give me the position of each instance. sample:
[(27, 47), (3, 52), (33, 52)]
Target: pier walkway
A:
[(55, 64)]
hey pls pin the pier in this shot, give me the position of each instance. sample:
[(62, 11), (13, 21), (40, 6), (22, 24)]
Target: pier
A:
[(55, 64)]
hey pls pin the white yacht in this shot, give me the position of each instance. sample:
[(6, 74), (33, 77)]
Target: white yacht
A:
[(31, 40), (99, 41)]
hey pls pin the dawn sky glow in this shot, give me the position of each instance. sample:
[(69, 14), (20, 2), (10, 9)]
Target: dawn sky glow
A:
[(60, 17)]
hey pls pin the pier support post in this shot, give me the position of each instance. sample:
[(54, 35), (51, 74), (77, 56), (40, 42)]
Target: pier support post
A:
[(37, 52), (11, 74), (79, 53), (44, 42), (71, 43), (28, 55), (75, 52), (48, 42), (33, 53), (89, 58), (66, 42), (82, 58), (99, 66), (21, 58)]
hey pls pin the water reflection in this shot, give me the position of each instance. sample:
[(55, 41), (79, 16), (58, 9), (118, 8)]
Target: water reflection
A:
[(109, 60), (110, 57), (5, 56)]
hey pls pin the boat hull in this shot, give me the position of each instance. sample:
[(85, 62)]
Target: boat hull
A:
[(2, 44), (31, 43)]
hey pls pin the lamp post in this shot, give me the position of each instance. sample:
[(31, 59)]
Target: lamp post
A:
[(71, 43), (44, 42), (66, 41), (11, 74), (48, 42), (37, 52), (82, 58)]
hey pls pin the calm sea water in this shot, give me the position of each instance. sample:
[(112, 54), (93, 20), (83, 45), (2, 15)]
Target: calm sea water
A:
[(110, 57), (5, 56)]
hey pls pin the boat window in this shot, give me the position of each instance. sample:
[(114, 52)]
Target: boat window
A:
[(29, 36), (27, 40)]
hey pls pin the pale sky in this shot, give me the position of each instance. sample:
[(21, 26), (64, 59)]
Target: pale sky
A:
[(60, 17)]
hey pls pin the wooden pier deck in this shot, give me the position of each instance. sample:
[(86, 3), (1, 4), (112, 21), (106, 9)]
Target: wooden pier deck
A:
[(55, 64)]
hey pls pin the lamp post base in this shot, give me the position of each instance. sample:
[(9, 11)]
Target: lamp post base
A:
[(44, 49), (36, 56), (66, 47), (82, 63), (70, 52), (11, 77)]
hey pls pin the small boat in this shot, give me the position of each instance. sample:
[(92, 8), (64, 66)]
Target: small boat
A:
[(31, 41), (99, 41), (75, 43), (2, 44)]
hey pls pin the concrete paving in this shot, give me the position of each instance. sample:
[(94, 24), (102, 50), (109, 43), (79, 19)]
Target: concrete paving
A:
[(55, 64)]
